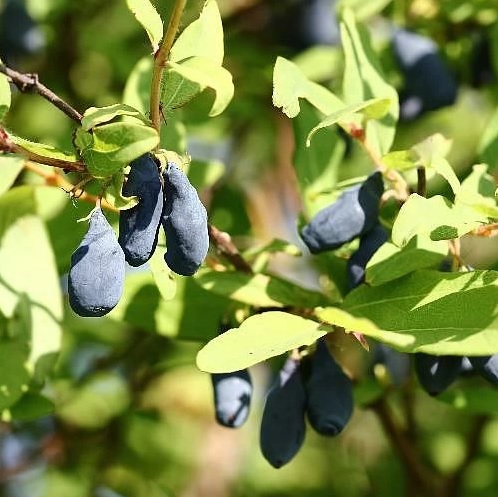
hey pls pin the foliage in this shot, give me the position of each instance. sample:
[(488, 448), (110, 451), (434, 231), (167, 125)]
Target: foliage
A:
[(192, 84)]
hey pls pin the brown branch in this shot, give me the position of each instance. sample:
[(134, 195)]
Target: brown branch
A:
[(421, 181), (160, 60), (53, 178), (28, 83), (417, 472), (224, 244)]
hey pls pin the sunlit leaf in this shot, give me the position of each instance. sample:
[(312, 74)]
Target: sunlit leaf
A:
[(363, 80), (148, 17), (94, 116), (258, 338), (290, 84), (10, 167)]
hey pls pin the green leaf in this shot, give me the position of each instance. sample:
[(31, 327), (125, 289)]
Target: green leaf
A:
[(258, 338), (148, 17), (204, 174), (182, 82), (482, 205), (43, 150), (193, 314), (260, 290), (317, 166), (163, 276), (290, 84), (391, 262), (5, 97), (363, 80), (479, 181), (201, 38), (375, 108), (22, 235), (431, 154), (10, 167), (434, 217), (364, 10), (426, 311), (113, 193), (103, 397), (31, 406), (14, 376), (94, 116), (401, 160), (110, 147)]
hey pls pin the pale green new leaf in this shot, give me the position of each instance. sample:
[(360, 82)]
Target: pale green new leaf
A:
[(258, 338), (363, 80), (182, 82), (201, 38), (435, 217), (375, 108), (427, 311), (115, 145), (94, 116), (391, 262), (260, 290), (10, 167), (401, 160), (480, 181), (43, 150), (5, 97), (431, 155), (290, 84), (148, 17)]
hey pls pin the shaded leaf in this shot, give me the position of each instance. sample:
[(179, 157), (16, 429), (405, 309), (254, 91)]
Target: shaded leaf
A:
[(30, 407), (182, 82), (114, 193), (480, 399), (5, 96), (258, 338)]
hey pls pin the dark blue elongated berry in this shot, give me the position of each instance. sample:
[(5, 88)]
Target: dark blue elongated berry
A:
[(232, 397), (487, 367), (184, 221), (429, 85), (369, 243), (353, 214), (97, 274), (139, 226), (329, 393), (283, 426), (436, 373)]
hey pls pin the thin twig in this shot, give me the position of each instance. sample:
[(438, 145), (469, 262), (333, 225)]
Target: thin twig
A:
[(28, 83), (53, 178), (160, 59), (224, 244)]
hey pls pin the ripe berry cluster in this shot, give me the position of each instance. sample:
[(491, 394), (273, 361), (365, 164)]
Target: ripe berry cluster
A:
[(97, 273)]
